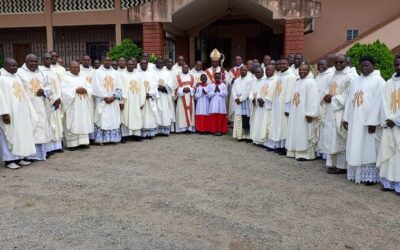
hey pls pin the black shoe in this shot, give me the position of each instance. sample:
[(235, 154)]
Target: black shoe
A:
[(123, 141), (282, 152), (301, 159), (386, 189), (269, 149), (369, 183)]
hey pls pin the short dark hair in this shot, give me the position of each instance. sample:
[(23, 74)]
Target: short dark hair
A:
[(367, 58)]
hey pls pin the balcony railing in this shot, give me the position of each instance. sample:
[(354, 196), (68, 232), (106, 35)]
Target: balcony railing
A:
[(21, 6), (82, 5)]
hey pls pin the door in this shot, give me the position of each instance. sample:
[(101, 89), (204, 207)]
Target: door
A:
[(97, 50), (20, 51)]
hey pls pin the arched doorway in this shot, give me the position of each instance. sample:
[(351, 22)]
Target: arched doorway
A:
[(242, 36)]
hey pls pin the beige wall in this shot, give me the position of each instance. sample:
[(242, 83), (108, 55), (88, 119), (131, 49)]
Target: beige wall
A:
[(340, 15)]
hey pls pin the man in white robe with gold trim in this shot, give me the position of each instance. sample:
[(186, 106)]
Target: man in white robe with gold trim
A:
[(150, 114), (52, 83), (389, 153), (77, 106), (18, 118), (134, 97), (282, 92), (164, 102), (107, 90), (332, 134), (362, 119), (303, 124), (87, 72), (33, 80), (261, 99)]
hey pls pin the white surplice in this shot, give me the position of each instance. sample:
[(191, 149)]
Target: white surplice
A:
[(16, 102), (332, 133), (282, 94), (302, 136), (362, 110), (185, 113), (134, 97), (33, 81), (241, 90), (164, 102), (105, 84), (389, 153), (77, 110), (150, 115), (52, 83), (261, 116)]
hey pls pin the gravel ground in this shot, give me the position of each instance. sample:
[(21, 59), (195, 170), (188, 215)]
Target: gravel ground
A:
[(190, 192)]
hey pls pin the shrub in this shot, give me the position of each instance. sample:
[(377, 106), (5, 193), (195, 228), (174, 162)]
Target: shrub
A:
[(379, 51), (126, 49)]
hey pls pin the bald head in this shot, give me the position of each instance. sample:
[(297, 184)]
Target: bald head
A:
[(74, 67), (10, 65)]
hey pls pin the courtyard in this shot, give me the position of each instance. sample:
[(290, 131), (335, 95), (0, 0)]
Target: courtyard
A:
[(190, 192)]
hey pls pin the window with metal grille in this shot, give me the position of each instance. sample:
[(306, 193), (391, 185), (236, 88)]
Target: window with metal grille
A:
[(351, 34)]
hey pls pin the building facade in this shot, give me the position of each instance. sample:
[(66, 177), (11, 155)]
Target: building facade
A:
[(250, 28)]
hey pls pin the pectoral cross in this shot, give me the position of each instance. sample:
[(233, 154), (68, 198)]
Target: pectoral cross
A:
[(133, 86), (395, 101), (35, 85), (358, 98), (18, 90), (296, 99), (109, 83), (278, 88), (333, 89)]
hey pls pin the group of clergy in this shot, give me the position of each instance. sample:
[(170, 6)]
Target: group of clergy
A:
[(349, 120)]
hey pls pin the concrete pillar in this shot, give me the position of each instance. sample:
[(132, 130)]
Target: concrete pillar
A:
[(48, 8), (153, 38), (294, 36), (118, 34), (118, 29)]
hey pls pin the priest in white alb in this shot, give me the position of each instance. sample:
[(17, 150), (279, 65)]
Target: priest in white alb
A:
[(362, 119), (282, 93), (77, 107), (53, 95), (261, 99), (87, 72), (107, 90), (164, 101), (231, 77), (33, 80), (185, 91), (134, 97), (240, 94), (303, 124), (332, 134), (59, 69), (18, 118), (150, 114), (389, 153)]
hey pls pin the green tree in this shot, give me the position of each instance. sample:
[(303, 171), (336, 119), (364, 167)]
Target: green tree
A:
[(379, 51), (126, 49)]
